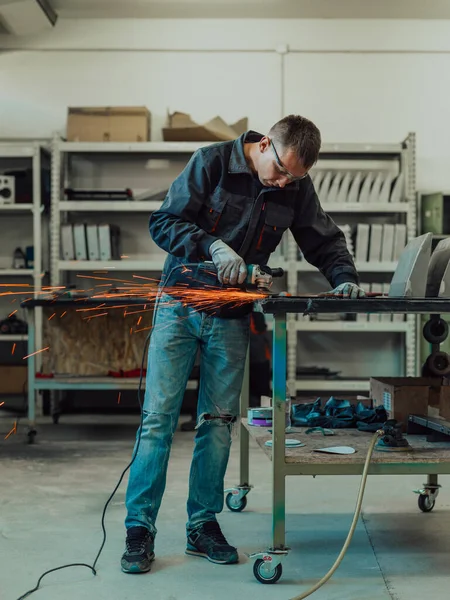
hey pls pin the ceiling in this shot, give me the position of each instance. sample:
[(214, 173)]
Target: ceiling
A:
[(268, 9), (307, 9)]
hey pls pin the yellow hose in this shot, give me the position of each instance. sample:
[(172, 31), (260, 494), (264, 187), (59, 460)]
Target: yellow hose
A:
[(362, 487)]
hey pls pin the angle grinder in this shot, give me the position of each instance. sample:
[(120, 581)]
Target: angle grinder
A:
[(200, 275)]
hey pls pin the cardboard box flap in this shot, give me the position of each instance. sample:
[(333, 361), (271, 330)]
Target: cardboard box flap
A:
[(240, 126), (220, 128), (180, 119), (181, 128)]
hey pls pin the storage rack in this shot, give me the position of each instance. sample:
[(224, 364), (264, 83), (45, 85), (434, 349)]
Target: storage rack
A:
[(402, 154), (38, 154)]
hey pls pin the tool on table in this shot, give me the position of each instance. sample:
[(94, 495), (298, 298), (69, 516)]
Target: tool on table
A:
[(200, 275), (336, 450), (258, 278), (392, 440)]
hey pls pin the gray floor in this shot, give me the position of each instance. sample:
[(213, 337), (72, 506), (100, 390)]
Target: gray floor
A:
[(53, 493)]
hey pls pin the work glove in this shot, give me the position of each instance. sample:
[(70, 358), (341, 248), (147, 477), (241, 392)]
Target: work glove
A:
[(231, 268), (347, 290)]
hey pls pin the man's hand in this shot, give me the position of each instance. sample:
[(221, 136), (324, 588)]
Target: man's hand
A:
[(347, 290), (231, 268)]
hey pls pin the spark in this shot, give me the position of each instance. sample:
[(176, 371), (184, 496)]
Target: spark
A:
[(2, 403), (51, 316), (37, 352), (139, 320), (64, 313), (93, 316), (124, 256), (13, 313), (13, 348), (118, 399)]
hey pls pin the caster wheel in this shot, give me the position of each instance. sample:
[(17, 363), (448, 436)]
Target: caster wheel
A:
[(265, 576), (435, 331), (424, 503), (31, 435), (235, 506)]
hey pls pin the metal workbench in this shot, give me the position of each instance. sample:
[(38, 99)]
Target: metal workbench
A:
[(426, 458)]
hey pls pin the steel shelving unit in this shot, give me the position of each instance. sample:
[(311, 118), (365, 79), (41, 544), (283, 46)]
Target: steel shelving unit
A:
[(37, 154), (337, 156)]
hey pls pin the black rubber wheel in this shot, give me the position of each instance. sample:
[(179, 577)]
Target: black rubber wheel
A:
[(435, 331), (439, 364), (262, 576), (424, 503), (31, 435), (235, 507)]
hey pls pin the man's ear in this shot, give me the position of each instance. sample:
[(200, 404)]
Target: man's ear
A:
[(264, 144)]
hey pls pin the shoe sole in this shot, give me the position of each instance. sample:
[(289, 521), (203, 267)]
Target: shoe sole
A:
[(134, 568), (192, 552)]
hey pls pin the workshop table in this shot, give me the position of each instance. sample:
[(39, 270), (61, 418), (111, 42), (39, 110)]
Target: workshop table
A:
[(426, 458), (73, 381)]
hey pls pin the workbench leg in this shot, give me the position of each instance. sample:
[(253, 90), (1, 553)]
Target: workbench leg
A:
[(236, 497), (279, 436), (244, 437), (267, 567), (31, 364)]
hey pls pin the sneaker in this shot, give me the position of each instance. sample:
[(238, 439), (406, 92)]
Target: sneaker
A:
[(209, 542), (139, 553)]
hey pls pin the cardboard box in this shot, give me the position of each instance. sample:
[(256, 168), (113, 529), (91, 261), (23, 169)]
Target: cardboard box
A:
[(181, 128), (108, 124), (401, 396), (442, 396), (13, 379)]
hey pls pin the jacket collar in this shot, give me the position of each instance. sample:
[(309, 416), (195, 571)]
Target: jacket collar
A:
[(237, 163)]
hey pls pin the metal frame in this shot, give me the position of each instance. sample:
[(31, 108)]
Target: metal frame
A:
[(34, 151), (281, 308), (403, 152)]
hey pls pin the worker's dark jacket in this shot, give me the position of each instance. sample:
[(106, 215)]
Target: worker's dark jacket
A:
[(218, 197)]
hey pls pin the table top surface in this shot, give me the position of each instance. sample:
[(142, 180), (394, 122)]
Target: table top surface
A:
[(275, 304), (421, 451), (328, 304)]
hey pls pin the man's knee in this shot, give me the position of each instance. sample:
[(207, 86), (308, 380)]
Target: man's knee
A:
[(220, 420), (157, 423)]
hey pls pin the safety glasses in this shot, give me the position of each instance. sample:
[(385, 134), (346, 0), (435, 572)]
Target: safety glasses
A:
[(282, 168)]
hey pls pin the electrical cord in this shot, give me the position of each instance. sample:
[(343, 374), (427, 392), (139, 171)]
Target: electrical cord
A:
[(359, 500), (92, 567)]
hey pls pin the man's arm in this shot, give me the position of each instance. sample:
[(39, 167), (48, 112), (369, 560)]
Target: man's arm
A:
[(173, 226), (321, 241)]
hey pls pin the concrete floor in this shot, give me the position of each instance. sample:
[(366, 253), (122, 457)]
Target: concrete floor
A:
[(53, 494)]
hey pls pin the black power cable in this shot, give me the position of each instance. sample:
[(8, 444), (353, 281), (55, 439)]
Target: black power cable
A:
[(92, 567)]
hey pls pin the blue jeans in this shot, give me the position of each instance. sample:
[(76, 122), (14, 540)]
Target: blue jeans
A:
[(178, 332)]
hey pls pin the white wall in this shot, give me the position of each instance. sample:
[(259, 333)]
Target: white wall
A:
[(360, 81)]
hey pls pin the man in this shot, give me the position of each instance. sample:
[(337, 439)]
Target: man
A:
[(231, 204)]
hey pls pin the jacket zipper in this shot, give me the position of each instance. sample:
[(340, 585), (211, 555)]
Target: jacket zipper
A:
[(258, 245)]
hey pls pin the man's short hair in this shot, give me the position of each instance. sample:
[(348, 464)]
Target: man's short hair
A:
[(299, 134)]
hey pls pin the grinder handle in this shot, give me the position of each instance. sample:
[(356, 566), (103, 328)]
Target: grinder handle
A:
[(277, 272)]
